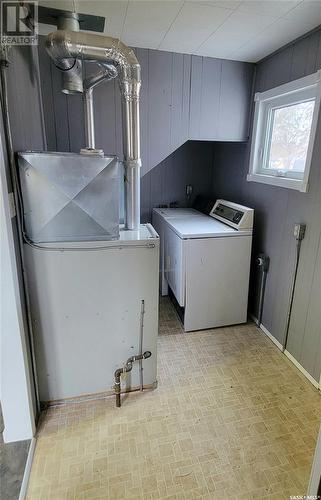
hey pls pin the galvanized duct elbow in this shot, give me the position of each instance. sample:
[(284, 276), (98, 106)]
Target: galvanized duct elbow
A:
[(107, 72), (64, 45)]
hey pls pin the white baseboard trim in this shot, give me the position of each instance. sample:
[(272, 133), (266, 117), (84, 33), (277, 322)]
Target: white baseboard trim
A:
[(287, 354), (26, 475), (271, 337), (267, 333), (302, 370)]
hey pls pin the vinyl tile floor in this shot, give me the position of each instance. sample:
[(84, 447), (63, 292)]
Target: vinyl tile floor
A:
[(231, 418)]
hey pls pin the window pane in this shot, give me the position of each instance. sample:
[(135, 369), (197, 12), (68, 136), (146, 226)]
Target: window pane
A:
[(289, 137)]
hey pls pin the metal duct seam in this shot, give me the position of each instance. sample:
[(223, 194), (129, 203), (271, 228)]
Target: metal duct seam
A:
[(63, 45)]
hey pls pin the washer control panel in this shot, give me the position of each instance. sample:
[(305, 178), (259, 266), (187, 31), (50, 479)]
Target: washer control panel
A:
[(232, 214)]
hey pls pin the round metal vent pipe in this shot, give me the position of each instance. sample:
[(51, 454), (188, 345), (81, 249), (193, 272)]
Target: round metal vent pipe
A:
[(71, 68), (107, 72), (64, 45)]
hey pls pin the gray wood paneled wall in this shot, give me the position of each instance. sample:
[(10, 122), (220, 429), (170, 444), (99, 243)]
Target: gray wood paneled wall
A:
[(182, 97), (24, 99), (277, 209)]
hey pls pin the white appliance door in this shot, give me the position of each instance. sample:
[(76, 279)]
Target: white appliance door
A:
[(217, 281), (174, 263)]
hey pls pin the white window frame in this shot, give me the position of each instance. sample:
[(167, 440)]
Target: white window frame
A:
[(303, 89)]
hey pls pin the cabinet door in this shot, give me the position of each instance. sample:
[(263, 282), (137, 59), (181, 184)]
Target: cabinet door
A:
[(235, 99), (174, 264), (220, 99), (210, 100), (205, 97), (195, 97)]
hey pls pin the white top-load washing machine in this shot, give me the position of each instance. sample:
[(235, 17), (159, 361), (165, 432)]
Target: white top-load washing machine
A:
[(159, 217), (207, 264)]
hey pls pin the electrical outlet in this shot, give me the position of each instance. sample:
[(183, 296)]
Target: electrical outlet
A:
[(299, 231)]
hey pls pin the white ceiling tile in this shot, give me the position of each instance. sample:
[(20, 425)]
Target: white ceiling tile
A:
[(281, 32), (148, 21), (58, 4), (307, 12), (235, 32), (224, 4), (193, 25), (242, 30), (273, 8)]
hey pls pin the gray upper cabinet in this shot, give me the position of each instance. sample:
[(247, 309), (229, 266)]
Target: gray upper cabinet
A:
[(235, 100), (220, 99)]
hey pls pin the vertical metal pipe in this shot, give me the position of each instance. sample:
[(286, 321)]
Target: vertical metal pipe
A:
[(89, 118), (140, 352), (131, 139), (107, 72), (293, 283), (69, 21), (132, 187), (263, 262)]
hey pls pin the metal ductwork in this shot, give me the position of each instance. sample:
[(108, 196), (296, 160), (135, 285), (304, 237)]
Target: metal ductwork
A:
[(107, 72), (67, 46), (72, 78)]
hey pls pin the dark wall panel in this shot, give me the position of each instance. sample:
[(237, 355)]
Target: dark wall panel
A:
[(191, 164), (25, 99)]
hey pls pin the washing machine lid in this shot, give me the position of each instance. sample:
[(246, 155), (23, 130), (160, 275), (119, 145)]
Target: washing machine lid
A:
[(167, 213), (204, 227)]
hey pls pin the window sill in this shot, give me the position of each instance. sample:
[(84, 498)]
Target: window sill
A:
[(285, 182)]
